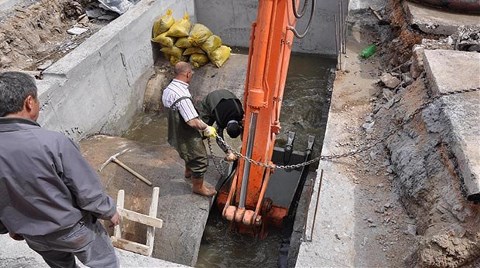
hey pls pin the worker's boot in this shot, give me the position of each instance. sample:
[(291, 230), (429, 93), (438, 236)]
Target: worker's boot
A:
[(202, 188)]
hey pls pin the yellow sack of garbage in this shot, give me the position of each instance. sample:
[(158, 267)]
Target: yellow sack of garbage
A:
[(172, 51), (174, 60), (199, 34), (193, 50), (220, 55), (198, 60), (164, 40), (183, 42), (180, 28), (163, 23), (212, 43)]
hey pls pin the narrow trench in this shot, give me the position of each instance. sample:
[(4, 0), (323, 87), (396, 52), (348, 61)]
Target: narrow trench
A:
[(304, 111)]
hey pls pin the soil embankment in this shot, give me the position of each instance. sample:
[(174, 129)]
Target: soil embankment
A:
[(394, 192), (417, 135), (35, 36)]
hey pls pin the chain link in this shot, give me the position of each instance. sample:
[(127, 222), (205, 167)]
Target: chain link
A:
[(363, 148), (218, 166)]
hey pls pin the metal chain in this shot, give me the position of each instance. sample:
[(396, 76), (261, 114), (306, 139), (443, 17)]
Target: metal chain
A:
[(363, 148), (218, 166)]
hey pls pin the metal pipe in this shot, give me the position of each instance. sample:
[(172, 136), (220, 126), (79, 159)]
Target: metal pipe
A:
[(246, 169), (344, 32), (308, 237), (337, 48)]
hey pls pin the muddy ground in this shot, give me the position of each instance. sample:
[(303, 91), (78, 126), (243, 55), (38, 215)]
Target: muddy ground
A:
[(413, 193)]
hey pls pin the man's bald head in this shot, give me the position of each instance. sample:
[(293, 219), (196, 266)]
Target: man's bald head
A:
[(182, 68), (183, 71)]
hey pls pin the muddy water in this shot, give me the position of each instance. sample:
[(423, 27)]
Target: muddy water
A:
[(306, 100), (304, 111)]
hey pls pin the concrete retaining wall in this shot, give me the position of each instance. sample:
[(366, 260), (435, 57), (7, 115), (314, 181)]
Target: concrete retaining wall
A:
[(100, 85), (232, 20)]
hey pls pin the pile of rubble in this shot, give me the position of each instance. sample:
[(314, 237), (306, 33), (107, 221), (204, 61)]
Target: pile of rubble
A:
[(33, 37), (416, 134)]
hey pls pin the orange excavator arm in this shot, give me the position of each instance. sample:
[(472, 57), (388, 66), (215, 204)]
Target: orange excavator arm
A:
[(269, 55)]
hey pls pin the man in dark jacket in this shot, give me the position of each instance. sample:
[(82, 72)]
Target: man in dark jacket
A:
[(225, 109), (49, 195)]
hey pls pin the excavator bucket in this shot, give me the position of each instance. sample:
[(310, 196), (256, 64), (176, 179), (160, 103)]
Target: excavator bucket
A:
[(286, 183)]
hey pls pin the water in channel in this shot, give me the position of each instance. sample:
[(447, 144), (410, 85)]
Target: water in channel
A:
[(304, 110)]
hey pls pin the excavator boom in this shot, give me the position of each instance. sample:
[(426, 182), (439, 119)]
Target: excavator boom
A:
[(269, 55)]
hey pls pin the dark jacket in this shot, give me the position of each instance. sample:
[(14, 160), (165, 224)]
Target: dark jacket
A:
[(221, 106), (45, 183)]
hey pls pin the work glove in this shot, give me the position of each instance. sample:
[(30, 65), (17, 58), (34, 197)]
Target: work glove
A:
[(210, 132)]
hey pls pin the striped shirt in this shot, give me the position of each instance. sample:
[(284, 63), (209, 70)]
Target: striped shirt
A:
[(175, 90)]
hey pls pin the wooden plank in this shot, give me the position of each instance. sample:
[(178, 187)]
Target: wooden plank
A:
[(117, 231), (129, 245), (152, 213), (137, 217)]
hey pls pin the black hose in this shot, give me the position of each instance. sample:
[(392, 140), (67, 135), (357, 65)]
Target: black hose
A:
[(312, 12), (295, 11)]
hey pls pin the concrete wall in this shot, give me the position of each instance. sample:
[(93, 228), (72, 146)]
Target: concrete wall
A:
[(232, 20), (100, 85), (6, 4)]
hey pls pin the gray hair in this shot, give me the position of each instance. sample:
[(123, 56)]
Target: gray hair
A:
[(15, 87)]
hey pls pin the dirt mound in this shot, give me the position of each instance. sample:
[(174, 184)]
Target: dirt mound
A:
[(32, 35)]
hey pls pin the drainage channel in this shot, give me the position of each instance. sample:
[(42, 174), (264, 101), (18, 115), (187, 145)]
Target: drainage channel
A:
[(305, 108)]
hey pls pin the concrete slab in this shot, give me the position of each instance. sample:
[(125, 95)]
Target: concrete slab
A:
[(184, 214), (343, 226), (7, 4), (463, 114), (452, 71), (435, 21), (355, 5), (333, 215), (18, 254), (231, 76)]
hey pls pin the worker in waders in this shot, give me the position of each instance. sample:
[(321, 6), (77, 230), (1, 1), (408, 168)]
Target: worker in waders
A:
[(184, 127), (224, 109)]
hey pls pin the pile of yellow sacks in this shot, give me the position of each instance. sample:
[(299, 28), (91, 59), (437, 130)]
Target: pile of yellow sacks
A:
[(181, 41)]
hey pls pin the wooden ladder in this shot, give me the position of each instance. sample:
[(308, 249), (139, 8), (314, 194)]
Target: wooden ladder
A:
[(150, 220)]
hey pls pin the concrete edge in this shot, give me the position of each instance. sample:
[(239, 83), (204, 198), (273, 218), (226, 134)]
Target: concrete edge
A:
[(458, 109), (18, 254), (434, 21)]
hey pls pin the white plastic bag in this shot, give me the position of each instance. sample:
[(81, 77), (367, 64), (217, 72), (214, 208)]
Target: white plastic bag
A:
[(118, 6)]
